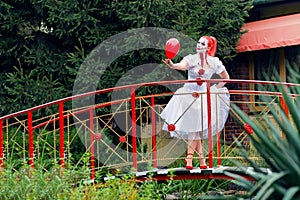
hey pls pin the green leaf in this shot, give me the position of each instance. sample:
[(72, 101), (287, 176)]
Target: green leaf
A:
[(268, 183), (290, 193), (267, 194), (241, 180)]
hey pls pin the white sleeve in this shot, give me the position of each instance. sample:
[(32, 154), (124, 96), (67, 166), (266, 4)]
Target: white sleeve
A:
[(218, 65)]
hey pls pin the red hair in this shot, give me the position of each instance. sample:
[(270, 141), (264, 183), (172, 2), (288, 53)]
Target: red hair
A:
[(212, 44)]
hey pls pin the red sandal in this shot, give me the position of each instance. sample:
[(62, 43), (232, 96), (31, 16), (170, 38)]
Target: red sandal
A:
[(203, 166), (189, 167)]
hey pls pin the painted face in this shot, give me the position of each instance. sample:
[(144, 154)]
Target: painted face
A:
[(202, 45)]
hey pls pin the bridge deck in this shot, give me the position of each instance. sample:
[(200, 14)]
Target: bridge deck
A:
[(182, 174)]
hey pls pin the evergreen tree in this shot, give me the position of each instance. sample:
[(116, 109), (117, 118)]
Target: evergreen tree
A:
[(44, 42)]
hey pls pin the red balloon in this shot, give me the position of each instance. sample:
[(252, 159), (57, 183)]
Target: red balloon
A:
[(172, 48)]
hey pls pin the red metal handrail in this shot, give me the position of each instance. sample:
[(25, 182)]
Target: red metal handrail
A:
[(139, 85), (132, 99)]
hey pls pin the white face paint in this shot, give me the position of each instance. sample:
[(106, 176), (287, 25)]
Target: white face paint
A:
[(202, 45)]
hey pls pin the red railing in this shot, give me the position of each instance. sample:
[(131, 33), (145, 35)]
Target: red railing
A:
[(12, 121)]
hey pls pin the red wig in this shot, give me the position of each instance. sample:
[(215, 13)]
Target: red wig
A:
[(212, 44)]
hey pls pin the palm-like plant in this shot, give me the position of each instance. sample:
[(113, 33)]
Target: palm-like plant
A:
[(278, 143)]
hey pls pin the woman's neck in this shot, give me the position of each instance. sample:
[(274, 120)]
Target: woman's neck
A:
[(203, 58)]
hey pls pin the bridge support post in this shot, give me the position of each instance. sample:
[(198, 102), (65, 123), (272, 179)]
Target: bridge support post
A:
[(209, 125), (285, 109), (219, 148), (92, 141), (133, 121), (30, 140), (61, 135), (153, 133)]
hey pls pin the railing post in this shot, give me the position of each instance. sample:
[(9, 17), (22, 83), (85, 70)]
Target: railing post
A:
[(92, 140), (153, 121), (218, 134), (209, 125), (30, 140), (285, 109), (219, 148), (61, 135), (133, 122), (1, 146)]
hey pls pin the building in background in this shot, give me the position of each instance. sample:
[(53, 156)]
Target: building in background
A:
[(267, 51), (273, 38)]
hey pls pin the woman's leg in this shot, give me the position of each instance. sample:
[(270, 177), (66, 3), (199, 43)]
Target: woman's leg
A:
[(199, 150), (192, 147), (192, 144)]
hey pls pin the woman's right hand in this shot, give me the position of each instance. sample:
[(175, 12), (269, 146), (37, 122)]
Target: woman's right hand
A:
[(183, 65), (169, 63)]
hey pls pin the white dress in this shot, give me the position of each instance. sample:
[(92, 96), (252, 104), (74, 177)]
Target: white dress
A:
[(188, 113)]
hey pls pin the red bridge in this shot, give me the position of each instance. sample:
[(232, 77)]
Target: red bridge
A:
[(124, 133)]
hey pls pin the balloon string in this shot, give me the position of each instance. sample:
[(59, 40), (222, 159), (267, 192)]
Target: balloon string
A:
[(185, 111)]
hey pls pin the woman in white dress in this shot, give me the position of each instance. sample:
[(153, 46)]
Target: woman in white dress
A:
[(185, 115)]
